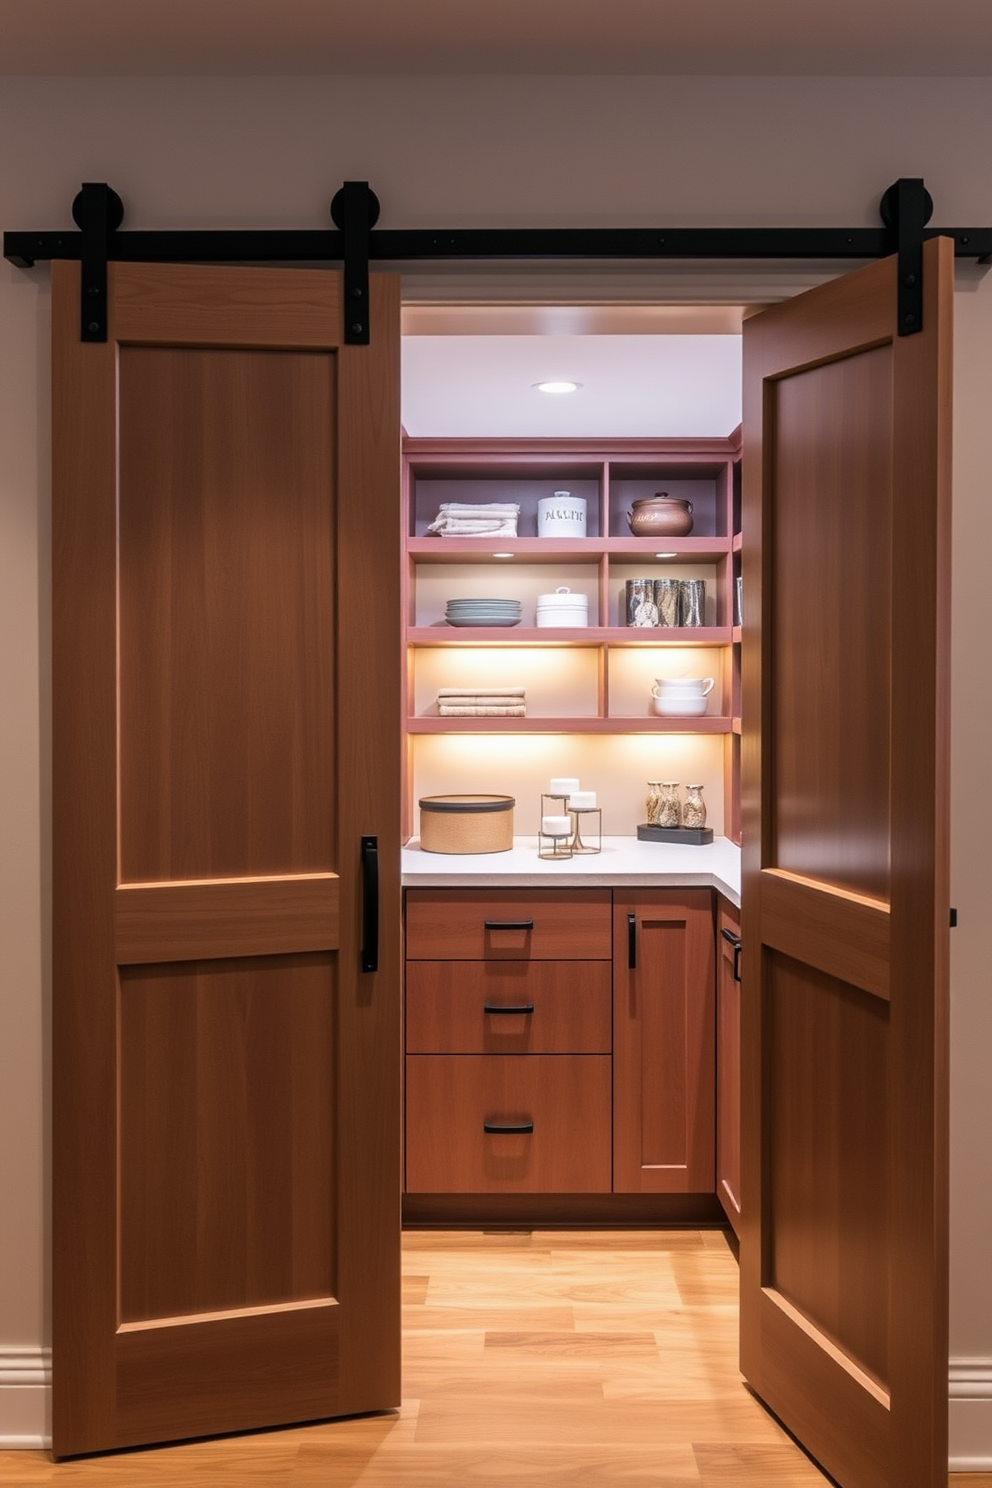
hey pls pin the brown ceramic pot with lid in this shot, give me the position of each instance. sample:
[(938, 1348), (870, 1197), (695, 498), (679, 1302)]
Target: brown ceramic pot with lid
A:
[(660, 515)]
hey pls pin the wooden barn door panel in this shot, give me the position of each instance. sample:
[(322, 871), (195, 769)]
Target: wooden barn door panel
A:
[(845, 885), (226, 1206)]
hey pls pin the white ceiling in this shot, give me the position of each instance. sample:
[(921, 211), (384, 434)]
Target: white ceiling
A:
[(632, 386), (402, 37)]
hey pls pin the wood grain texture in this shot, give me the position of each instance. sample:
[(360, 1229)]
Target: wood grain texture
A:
[(664, 1043), (84, 875), (189, 305), (258, 506), (827, 1157), (446, 1005), (891, 1243), (831, 505), (728, 1067), (262, 1369), (451, 924), (843, 934), (227, 1181), (254, 916), (369, 733), (227, 737), (473, 1334), (450, 1097)]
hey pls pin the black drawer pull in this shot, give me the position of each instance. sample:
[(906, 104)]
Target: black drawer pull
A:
[(370, 903), (508, 1128), (523, 1007), (632, 942), (738, 946), (508, 924)]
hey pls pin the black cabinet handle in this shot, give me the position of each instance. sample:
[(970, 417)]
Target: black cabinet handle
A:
[(523, 1007), (370, 904), (508, 924), (508, 1128), (738, 946), (632, 941)]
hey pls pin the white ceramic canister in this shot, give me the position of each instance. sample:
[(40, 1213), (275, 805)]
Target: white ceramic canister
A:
[(561, 515), (563, 608), (681, 697)]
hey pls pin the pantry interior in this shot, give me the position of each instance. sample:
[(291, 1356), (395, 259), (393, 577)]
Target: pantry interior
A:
[(658, 409)]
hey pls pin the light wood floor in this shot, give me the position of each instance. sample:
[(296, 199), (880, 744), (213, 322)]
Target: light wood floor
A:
[(543, 1360)]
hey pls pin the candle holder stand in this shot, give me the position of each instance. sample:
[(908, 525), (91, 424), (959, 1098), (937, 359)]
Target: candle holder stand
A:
[(554, 848), (587, 829), (553, 805)]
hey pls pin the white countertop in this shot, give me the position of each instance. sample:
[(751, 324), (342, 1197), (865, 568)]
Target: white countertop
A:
[(624, 861)]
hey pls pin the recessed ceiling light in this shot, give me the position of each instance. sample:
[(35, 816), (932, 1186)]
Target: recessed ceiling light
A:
[(501, 555), (557, 387), (666, 555)]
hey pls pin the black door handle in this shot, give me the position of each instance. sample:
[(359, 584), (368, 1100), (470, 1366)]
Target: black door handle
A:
[(370, 904), (508, 1128), (508, 924), (738, 946), (523, 1007), (632, 941)]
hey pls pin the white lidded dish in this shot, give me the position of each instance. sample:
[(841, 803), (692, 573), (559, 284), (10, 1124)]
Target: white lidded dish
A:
[(562, 608)]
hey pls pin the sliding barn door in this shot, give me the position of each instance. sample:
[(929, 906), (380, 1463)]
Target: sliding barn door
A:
[(845, 893), (226, 733)]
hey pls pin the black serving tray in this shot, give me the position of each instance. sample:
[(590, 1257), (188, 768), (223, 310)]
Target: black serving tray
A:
[(691, 836)]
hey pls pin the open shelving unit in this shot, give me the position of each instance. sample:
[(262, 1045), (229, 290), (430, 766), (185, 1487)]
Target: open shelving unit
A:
[(589, 681)]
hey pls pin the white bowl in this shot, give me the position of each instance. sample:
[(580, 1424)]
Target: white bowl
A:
[(683, 706)]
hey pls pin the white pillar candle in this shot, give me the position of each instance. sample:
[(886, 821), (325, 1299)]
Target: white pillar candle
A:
[(564, 786), (582, 800), (556, 826)]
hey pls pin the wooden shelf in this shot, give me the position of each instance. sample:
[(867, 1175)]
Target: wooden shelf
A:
[(584, 549), (579, 677), (582, 725), (520, 635)]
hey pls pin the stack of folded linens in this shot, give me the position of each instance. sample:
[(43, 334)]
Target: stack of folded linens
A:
[(481, 702), (476, 519)]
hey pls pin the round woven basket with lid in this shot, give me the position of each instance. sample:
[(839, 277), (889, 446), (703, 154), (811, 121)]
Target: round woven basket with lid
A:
[(466, 823)]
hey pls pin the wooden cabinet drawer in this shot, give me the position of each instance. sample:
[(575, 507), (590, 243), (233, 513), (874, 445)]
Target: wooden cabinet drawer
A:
[(565, 1099), (508, 1007), (509, 925)]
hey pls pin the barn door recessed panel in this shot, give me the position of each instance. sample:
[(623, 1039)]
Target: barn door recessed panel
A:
[(827, 1215), (830, 501), (227, 1119), (226, 686)]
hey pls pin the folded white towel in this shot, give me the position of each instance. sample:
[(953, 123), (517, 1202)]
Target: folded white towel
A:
[(500, 508), (473, 527), (454, 710), (470, 700), (481, 692)]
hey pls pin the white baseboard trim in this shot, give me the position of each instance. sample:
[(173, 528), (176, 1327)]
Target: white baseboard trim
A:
[(25, 1398), (970, 1415)]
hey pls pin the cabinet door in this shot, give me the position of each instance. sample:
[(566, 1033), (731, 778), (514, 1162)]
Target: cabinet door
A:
[(225, 1068), (728, 1063), (663, 1041)]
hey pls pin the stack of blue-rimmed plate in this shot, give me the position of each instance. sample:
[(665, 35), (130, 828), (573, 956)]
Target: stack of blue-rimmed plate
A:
[(482, 612)]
